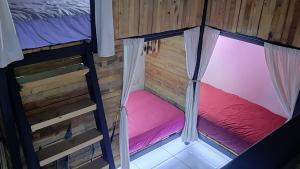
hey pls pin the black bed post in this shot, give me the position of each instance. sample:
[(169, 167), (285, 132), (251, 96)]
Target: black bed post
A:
[(93, 26), (297, 107), (95, 92), (21, 120), (8, 121), (202, 28)]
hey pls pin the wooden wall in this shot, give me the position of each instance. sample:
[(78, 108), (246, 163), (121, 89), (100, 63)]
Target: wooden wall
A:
[(141, 17), (273, 20), (165, 71)]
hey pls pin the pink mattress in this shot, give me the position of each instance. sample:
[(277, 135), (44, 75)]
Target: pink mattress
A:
[(151, 119), (232, 120)]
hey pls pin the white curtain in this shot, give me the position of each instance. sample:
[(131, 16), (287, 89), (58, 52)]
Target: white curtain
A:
[(138, 81), (191, 38), (10, 49), (104, 28), (133, 48), (284, 67)]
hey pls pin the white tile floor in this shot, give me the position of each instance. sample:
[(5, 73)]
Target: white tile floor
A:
[(176, 155)]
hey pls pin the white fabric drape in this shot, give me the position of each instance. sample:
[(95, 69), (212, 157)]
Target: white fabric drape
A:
[(138, 81), (104, 28), (10, 49), (284, 67), (191, 38), (133, 48)]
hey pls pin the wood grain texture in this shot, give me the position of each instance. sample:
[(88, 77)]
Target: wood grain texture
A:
[(128, 18), (223, 14), (291, 30), (142, 17), (146, 17), (66, 147), (273, 19), (166, 72), (96, 164), (66, 112), (249, 17)]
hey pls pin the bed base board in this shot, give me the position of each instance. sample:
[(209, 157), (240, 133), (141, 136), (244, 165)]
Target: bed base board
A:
[(154, 146), (231, 154), (58, 53)]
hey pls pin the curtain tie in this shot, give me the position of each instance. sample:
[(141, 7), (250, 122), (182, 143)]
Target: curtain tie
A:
[(124, 108)]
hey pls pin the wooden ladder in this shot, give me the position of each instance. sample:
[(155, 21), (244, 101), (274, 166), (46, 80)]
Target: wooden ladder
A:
[(36, 160)]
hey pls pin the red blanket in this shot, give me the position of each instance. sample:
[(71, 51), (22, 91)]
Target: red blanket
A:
[(232, 120)]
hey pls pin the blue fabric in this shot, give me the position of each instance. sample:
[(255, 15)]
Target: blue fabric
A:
[(50, 22)]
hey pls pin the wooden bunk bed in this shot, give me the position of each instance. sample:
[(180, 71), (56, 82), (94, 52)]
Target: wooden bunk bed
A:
[(44, 38)]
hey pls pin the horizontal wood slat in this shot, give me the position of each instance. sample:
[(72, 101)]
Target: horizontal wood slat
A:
[(52, 76), (96, 164), (63, 113), (64, 148)]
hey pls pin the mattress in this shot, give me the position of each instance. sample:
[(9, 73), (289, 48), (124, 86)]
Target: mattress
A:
[(151, 119), (42, 23), (233, 121)]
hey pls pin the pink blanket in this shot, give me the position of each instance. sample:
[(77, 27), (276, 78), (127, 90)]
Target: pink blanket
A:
[(151, 119)]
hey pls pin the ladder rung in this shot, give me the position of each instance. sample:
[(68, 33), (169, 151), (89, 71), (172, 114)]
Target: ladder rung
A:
[(96, 164), (66, 112), (51, 76), (67, 147)]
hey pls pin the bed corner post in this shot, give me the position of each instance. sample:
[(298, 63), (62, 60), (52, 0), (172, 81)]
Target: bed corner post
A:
[(202, 28), (93, 26), (8, 121)]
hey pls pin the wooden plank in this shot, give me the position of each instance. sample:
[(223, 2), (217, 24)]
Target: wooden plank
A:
[(165, 72), (191, 14), (146, 17), (249, 17), (57, 75), (223, 14), (96, 164), (50, 73), (46, 66), (128, 18), (291, 30), (116, 18), (63, 113), (272, 19), (64, 148)]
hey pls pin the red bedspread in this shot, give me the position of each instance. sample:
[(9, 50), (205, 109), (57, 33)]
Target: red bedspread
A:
[(151, 119), (232, 120)]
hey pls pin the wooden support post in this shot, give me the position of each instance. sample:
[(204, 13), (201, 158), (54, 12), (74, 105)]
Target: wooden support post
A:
[(9, 125), (22, 123), (94, 90), (202, 28), (93, 26)]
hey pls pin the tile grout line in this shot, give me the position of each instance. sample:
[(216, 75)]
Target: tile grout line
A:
[(164, 160)]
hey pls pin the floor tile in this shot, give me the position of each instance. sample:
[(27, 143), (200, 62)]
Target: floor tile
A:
[(216, 151), (172, 163), (192, 161), (176, 146), (133, 166), (152, 159), (202, 153)]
